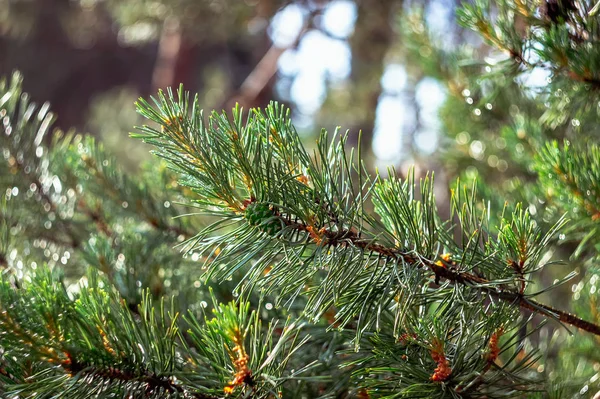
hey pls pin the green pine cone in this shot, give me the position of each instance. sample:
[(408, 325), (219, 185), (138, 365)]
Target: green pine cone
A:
[(262, 215)]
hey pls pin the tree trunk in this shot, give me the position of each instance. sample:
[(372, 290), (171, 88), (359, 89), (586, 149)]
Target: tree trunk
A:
[(370, 42)]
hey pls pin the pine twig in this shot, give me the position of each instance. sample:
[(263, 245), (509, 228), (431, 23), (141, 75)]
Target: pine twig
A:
[(153, 382), (344, 238)]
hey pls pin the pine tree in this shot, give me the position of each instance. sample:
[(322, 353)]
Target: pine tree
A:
[(242, 264)]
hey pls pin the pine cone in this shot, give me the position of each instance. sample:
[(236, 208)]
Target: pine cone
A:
[(263, 216)]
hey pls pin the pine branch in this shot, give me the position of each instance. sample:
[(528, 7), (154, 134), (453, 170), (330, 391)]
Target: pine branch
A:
[(430, 359), (575, 170), (444, 270), (32, 177), (93, 345), (72, 196), (77, 161), (265, 163), (553, 24), (151, 384)]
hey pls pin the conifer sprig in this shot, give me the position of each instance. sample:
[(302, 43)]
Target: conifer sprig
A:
[(67, 178), (404, 303), (74, 345), (303, 216), (428, 355), (560, 39), (73, 204), (570, 176)]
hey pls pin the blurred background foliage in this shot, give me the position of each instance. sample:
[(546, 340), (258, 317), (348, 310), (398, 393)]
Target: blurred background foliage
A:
[(339, 62)]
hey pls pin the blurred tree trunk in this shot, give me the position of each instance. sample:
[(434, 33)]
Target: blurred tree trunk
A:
[(68, 72), (48, 27), (255, 88), (248, 63), (373, 36), (168, 56)]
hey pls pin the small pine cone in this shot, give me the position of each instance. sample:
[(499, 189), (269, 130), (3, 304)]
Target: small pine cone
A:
[(263, 216)]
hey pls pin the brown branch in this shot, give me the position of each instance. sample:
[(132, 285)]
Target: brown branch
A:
[(594, 82), (258, 79), (347, 237), (177, 230), (153, 382)]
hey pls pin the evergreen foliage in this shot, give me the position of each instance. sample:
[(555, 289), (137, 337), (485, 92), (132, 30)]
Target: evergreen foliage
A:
[(532, 139), (90, 343), (382, 296)]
